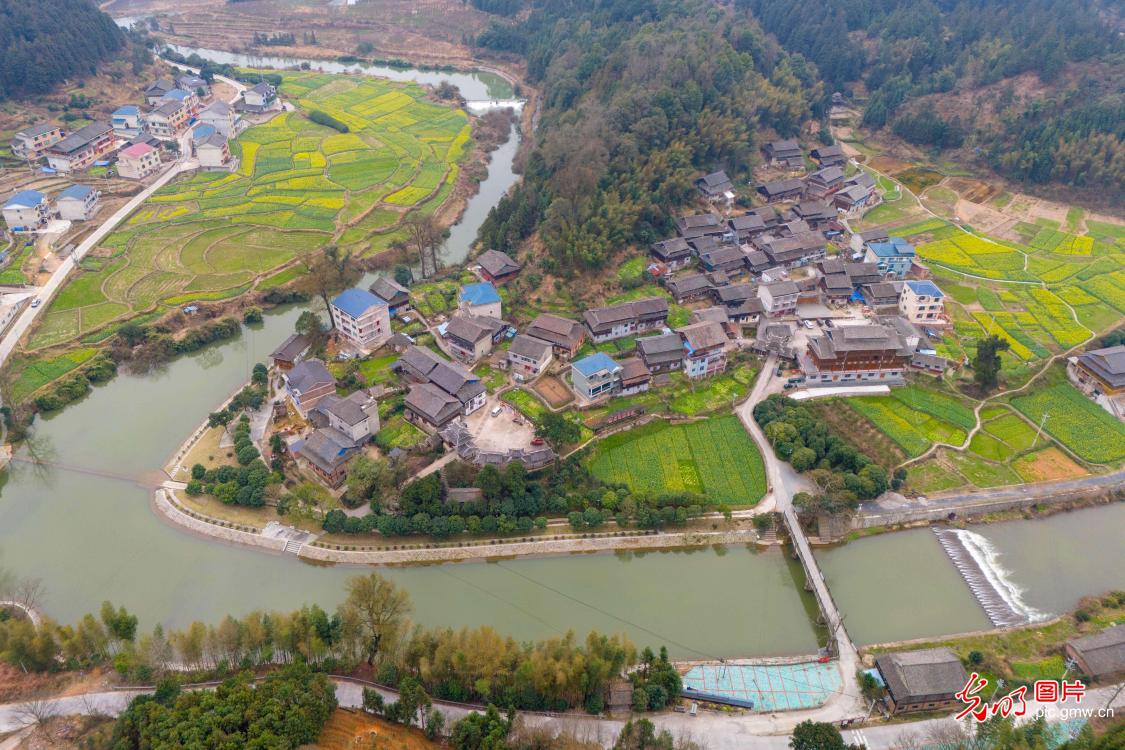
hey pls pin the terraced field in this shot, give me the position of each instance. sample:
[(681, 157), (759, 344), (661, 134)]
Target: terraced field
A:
[(1076, 422), (714, 458), (298, 186), (908, 420)]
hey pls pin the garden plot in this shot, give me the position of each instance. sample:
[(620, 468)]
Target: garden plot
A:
[(1076, 422), (912, 429), (213, 235), (714, 458)]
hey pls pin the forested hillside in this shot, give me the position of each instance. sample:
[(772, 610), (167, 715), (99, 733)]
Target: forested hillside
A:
[(902, 50), (43, 42), (638, 97)]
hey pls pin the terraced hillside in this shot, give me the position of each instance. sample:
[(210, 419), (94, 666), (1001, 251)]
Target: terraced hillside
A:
[(298, 187)]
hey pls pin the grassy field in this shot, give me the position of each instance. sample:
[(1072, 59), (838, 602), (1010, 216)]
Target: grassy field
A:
[(1076, 422), (912, 429), (298, 187), (31, 375), (714, 458)]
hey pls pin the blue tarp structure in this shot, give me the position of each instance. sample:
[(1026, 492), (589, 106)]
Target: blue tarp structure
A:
[(856, 296)]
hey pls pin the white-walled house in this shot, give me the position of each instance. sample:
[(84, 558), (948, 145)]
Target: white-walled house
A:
[(361, 319), (481, 299), (221, 116), (77, 203), (213, 151), (26, 210), (922, 302), (137, 161)]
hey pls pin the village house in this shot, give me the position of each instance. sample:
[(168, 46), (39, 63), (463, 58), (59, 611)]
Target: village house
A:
[(497, 267), (715, 314), (528, 357), (563, 334), (824, 182), (778, 298), (635, 376), (81, 148), (705, 244), (661, 353), (929, 363), (258, 98), (846, 355), (776, 191), (213, 152), (922, 302), (686, 288), (700, 225), (926, 680), (290, 352), (306, 383), (127, 121), (626, 318), (168, 120), (32, 142), (481, 299), (186, 98), (355, 416), (775, 338), (861, 274), (471, 337), (815, 214), (716, 188), (157, 89), (674, 253), (704, 349), (757, 261), (221, 116), (1100, 656), (734, 295), (429, 407), (881, 295), (895, 256), (26, 211), (746, 313), (422, 365), (326, 453), (77, 203), (195, 84), (138, 161), (794, 251), (784, 154), (728, 259), (361, 319), (394, 294), (856, 195), (836, 288), (828, 156), (595, 376), (1100, 374), (746, 227)]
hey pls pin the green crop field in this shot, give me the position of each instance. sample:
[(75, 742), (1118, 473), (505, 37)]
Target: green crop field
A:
[(940, 405), (36, 374), (911, 429), (1013, 431), (1076, 422), (213, 235), (714, 458)]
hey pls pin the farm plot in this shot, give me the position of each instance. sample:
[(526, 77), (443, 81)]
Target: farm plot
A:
[(714, 458), (913, 430), (213, 235), (1076, 422)]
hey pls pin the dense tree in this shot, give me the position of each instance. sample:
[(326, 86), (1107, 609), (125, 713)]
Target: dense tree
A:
[(816, 735), (556, 429), (986, 361), (375, 612)]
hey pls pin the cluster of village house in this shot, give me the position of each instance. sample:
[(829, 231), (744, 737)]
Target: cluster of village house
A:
[(130, 142)]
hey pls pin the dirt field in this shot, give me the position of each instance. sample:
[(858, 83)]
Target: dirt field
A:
[(553, 391), (1047, 466), (355, 730), (975, 191)]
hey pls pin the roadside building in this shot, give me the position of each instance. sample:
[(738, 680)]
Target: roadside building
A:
[(895, 256), (848, 355), (776, 191), (528, 357), (213, 151), (563, 334), (221, 116), (926, 680), (429, 407), (497, 267), (291, 351), (259, 98), (923, 303), (661, 353), (471, 337), (700, 225), (168, 120), (626, 318), (361, 319), (785, 153), (394, 294), (193, 83), (635, 376), (481, 299), (77, 203), (674, 253), (836, 287), (930, 363), (595, 376), (1100, 374), (126, 121), (138, 161), (704, 349), (828, 156), (157, 89), (860, 240), (26, 211), (775, 338), (778, 298), (1100, 656), (306, 383), (81, 148), (716, 188), (32, 142)]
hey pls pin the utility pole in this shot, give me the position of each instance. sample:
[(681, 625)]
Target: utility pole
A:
[(1042, 423)]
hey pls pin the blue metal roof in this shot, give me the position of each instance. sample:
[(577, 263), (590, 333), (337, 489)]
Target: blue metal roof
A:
[(27, 198), (897, 247), (479, 294), (200, 132), (356, 302), (595, 363), (925, 288), (76, 191), (127, 109), (177, 94)]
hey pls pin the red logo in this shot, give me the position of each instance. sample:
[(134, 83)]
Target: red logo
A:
[(1014, 703)]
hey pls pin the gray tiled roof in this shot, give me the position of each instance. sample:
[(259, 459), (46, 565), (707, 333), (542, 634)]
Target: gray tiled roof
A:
[(606, 317), (703, 335), (1103, 652), (529, 346), (291, 348), (350, 410), (309, 374), (326, 448), (558, 330), (914, 675), (1108, 364), (432, 402), (497, 263)]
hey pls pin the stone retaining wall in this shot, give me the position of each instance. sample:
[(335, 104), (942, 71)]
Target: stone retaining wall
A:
[(172, 512)]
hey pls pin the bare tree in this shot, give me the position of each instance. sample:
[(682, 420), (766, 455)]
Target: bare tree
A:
[(425, 238), (36, 713), (29, 592), (327, 273)]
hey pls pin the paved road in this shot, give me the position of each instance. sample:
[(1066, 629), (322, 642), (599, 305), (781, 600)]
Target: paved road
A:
[(714, 731)]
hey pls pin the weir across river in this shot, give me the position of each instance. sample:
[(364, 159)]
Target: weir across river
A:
[(974, 560)]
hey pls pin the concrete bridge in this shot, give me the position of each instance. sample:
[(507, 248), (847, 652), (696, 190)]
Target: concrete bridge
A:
[(479, 106)]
